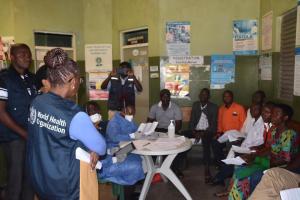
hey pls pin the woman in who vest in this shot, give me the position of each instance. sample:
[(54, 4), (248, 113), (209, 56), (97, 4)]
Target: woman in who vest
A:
[(56, 128)]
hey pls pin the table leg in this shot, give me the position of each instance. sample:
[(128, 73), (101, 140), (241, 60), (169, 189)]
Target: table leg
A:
[(148, 179), (166, 170), (158, 163)]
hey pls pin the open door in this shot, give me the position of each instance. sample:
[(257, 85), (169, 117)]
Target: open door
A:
[(134, 49)]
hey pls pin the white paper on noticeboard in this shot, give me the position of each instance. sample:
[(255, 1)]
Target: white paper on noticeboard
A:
[(98, 57)]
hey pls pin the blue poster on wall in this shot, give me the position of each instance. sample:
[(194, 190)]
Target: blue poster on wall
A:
[(222, 70), (245, 37)]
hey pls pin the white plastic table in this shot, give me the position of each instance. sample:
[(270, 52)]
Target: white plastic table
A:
[(164, 168)]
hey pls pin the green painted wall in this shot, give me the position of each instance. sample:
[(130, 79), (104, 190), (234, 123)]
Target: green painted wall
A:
[(97, 21), (278, 7), (22, 17), (211, 22), (130, 14)]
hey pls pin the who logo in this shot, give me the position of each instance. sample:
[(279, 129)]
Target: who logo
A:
[(32, 116)]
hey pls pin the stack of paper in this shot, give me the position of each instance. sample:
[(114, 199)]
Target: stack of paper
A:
[(243, 150), (147, 128), (234, 161), (231, 136)]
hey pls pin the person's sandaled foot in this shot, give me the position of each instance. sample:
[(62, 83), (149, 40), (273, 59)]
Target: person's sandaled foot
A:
[(222, 194)]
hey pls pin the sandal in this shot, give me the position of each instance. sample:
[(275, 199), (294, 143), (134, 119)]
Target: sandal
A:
[(221, 194)]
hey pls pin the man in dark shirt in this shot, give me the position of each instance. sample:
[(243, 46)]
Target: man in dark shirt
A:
[(17, 90), (122, 85), (203, 125)]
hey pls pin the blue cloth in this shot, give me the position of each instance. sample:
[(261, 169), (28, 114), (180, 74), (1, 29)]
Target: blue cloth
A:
[(130, 170), (226, 171), (90, 136), (118, 129), (127, 172), (255, 179)]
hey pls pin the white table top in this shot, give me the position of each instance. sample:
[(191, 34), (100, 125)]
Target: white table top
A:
[(186, 145)]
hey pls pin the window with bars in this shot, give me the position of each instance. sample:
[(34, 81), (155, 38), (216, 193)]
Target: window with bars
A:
[(45, 41), (287, 55)]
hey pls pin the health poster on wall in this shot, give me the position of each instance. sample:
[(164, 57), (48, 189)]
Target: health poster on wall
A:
[(245, 37), (222, 71), (266, 29), (95, 81), (178, 38), (297, 73), (265, 67), (175, 77), (98, 57)]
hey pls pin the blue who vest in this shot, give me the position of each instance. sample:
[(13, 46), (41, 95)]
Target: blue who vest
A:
[(121, 95), (20, 94), (54, 171)]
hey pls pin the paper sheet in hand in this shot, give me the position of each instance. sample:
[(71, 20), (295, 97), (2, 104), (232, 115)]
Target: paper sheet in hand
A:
[(85, 156), (223, 138), (147, 128), (290, 194), (234, 161), (244, 150), (233, 135), (230, 154)]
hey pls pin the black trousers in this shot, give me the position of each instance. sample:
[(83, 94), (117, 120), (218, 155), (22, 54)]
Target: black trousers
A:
[(218, 151), (206, 142), (18, 184)]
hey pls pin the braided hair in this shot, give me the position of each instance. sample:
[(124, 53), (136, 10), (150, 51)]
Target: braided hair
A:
[(61, 69)]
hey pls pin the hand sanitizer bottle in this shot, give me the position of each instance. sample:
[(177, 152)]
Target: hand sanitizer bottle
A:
[(171, 129)]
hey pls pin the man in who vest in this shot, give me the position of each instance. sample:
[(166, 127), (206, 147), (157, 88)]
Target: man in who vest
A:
[(17, 90), (122, 85)]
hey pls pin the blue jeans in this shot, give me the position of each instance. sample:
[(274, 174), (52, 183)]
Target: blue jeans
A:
[(255, 179), (226, 171)]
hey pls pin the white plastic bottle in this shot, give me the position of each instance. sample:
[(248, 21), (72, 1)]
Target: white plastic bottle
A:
[(171, 129)]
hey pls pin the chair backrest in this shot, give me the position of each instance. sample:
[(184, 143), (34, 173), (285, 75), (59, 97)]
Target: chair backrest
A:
[(186, 113)]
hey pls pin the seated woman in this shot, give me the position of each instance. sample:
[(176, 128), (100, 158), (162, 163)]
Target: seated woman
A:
[(128, 170), (55, 130), (284, 145), (93, 110)]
